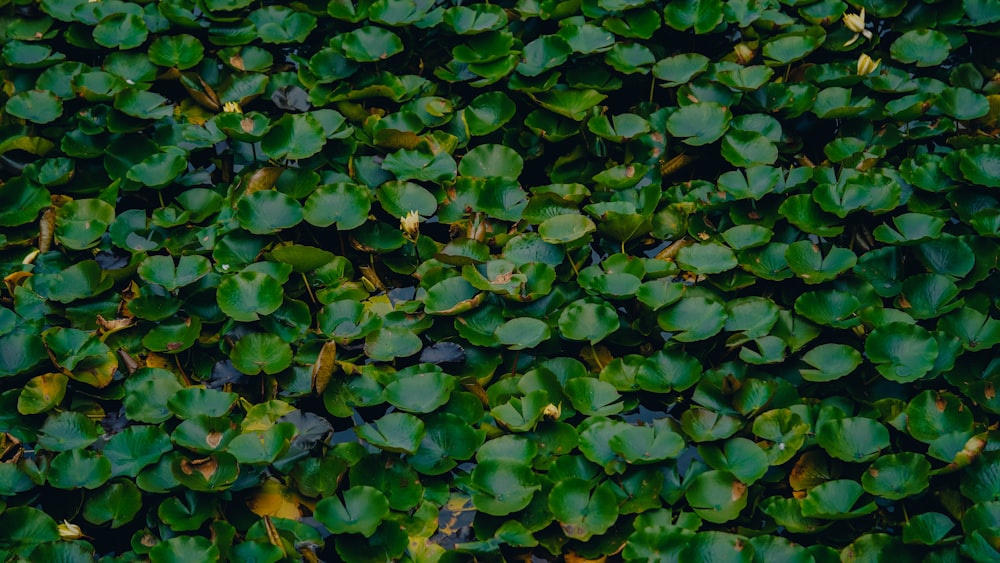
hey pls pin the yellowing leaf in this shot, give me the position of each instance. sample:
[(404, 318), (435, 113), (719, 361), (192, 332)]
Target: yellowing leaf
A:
[(273, 499), (326, 364)]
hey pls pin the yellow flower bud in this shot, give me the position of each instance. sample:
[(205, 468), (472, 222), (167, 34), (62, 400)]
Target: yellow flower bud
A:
[(68, 531), (866, 65), (552, 411), (855, 22), (232, 107), (410, 224), (744, 54)]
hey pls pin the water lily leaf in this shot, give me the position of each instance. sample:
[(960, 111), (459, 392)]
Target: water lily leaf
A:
[(646, 444), (179, 51), (37, 106), (116, 503), (41, 393), (568, 228), (692, 319), (897, 476), (830, 362), (665, 371), (856, 439), (700, 124), (183, 548), (360, 512), (247, 295), (838, 103), (262, 447), (569, 102), (704, 425), (78, 468), (702, 15), (159, 169), (502, 487), (630, 58), (196, 401), (706, 258), (371, 44), (807, 261), (22, 528), (143, 104), (542, 54), (294, 136), (448, 439), (394, 432), (829, 307), (785, 429), (162, 270), (933, 414), (121, 30), (486, 161), (478, 18), (840, 499), (20, 352), (385, 344), (66, 431), (581, 509), (81, 355), (739, 456), (280, 24), (582, 320), (345, 204), (717, 496), (421, 164), (928, 528), (260, 352), (925, 47), (788, 512), (680, 69), (522, 333), (132, 449), (902, 352), (147, 393), (979, 165), (267, 212), (785, 49), (421, 388), (593, 397)]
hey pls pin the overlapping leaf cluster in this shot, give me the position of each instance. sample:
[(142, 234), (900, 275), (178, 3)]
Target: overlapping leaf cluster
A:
[(430, 281)]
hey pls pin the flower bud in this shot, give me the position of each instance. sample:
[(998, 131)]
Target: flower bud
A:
[(866, 65)]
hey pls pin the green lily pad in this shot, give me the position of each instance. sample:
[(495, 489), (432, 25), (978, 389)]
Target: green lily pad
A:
[(262, 447), (78, 468), (717, 496), (583, 320), (933, 414), (182, 548), (162, 270), (807, 261), (160, 169), (785, 49), (360, 512), (502, 487), (134, 448), (142, 104), (247, 295), (706, 258), (267, 212), (67, 431), (700, 124), (345, 204), (371, 44), (702, 15), (646, 444), (522, 333), (190, 402), (116, 503), (121, 30), (856, 439), (37, 106), (897, 476), (42, 393), (386, 344), (258, 352), (830, 362), (593, 397), (394, 432), (692, 319), (280, 24), (81, 223), (840, 499), (487, 161), (179, 51), (581, 509), (785, 429), (173, 336), (739, 456), (924, 47), (82, 355), (294, 137), (421, 388), (902, 352), (979, 165), (928, 528)]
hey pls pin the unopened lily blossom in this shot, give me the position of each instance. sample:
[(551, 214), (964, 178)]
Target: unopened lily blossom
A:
[(856, 23), (866, 65)]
